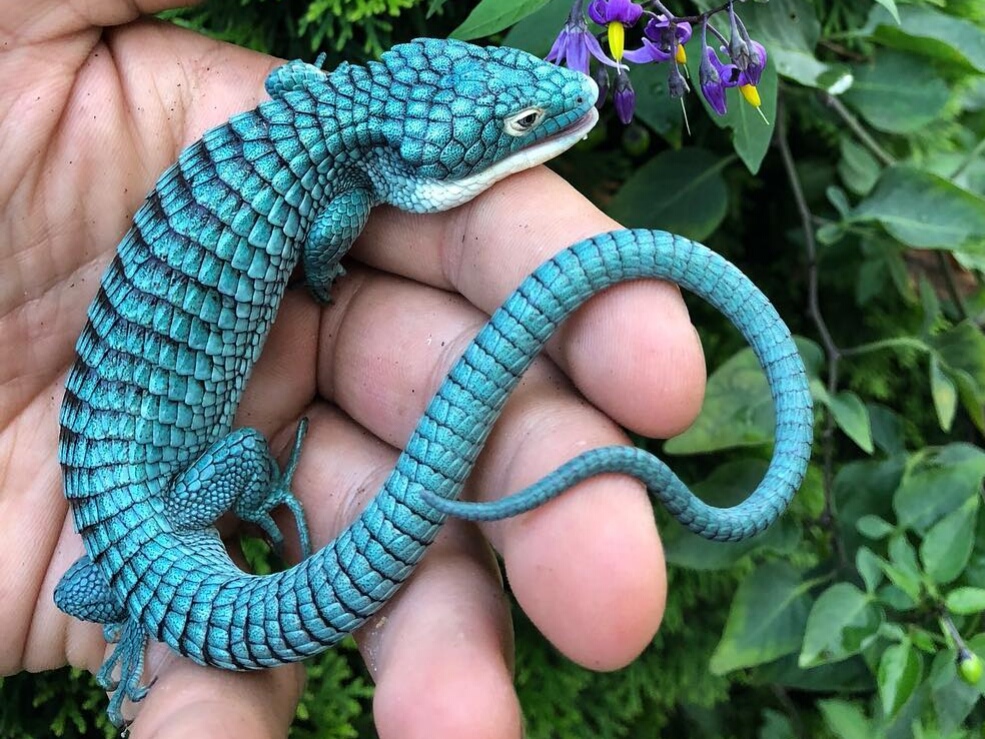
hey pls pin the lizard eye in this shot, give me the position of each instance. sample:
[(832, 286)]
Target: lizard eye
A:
[(523, 122)]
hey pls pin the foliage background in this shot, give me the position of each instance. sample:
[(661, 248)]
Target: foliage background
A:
[(860, 209)]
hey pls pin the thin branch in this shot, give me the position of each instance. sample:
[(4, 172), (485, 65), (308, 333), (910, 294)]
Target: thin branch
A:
[(693, 19), (969, 160), (790, 707), (858, 129), (814, 310)]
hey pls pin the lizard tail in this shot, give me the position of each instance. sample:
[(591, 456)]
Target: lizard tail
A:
[(224, 617), (705, 273)]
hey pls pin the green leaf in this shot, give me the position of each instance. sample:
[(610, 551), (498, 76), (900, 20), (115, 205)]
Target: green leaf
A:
[(654, 105), (952, 697), (947, 546), (751, 134), (887, 429), (902, 569), (970, 392), (923, 210), (775, 726), (938, 485), (865, 489), (890, 5), (857, 168), (944, 393), (841, 623), (727, 486), (845, 720), (900, 670), (962, 348), (766, 620), (837, 197), (680, 191), (874, 527), (895, 597), (852, 417), (536, 32), (790, 31), (851, 676), (931, 33), (868, 566), (737, 410), (493, 16), (738, 407), (903, 555), (897, 92), (966, 601)]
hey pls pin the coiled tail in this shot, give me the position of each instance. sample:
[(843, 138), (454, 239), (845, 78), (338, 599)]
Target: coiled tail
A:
[(565, 282)]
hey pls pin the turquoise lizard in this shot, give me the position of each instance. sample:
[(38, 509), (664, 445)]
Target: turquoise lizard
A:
[(149, 457)]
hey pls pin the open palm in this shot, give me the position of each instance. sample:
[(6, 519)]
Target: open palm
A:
[(95, 105)]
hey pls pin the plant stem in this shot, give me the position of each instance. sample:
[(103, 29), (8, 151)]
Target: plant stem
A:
[(864, 136), (814, 310), (969, 160), (693, 19)]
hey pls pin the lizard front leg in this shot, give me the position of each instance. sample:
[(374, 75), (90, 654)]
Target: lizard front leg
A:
[(294, 75), (331, 235)]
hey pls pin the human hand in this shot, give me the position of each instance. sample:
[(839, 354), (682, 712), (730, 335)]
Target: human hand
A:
[(93, 116)]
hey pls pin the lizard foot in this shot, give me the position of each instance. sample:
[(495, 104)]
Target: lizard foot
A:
[(280, 494), (129, 655)]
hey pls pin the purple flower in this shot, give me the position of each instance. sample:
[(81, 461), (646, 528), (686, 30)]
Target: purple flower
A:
[(714, 77), (677, 86), (647, 53), (616, 15), (575, 43), (624, 97), (658, 29), (757, 63), (738, 45), (664, 31), (605, 12)]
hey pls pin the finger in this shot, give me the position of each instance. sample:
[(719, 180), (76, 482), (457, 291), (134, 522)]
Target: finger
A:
[(184, 83), (589, 558), (440, 650), (190, 700), (636, 336)]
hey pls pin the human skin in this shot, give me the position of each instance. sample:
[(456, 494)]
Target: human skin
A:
[(95, 104)]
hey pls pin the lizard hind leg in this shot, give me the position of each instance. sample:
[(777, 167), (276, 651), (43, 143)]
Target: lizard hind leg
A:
[(83, 593), (239, 473)]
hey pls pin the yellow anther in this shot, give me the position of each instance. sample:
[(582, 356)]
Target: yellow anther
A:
[(681, 54), (617, 40), (751, 94)]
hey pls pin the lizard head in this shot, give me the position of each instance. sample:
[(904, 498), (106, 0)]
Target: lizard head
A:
[(459, 118)]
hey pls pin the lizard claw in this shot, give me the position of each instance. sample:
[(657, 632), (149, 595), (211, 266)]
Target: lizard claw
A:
[(129, 655)]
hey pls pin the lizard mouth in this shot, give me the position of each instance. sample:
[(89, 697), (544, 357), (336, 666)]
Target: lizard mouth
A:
[(543, 150), (431, 196), (562, 140)]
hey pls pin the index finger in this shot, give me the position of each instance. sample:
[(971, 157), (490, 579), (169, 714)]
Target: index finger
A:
[(632, 350)]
